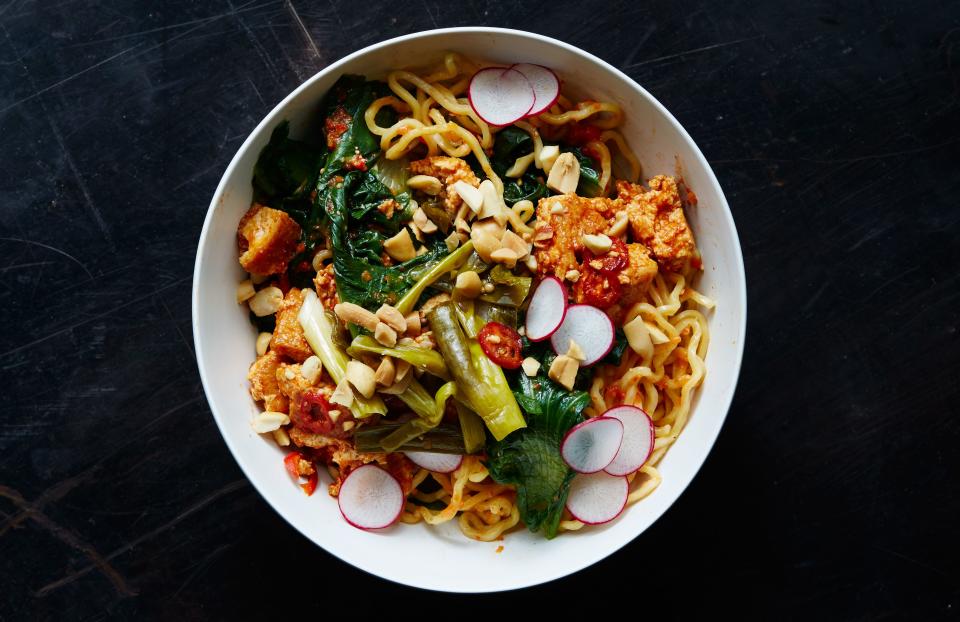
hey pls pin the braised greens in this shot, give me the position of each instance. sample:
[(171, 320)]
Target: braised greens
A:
[(530, 458)]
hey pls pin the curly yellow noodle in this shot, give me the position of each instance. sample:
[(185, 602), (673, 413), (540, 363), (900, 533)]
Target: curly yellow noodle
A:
[(601, 150), (625, 151), (612, 115)]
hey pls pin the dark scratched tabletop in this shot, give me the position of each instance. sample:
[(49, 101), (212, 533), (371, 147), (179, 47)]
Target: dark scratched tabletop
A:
[(834, 129)]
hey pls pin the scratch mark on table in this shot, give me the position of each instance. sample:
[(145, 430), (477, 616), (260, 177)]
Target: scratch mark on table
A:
[(73, 576), (306, 33), (94, 318), (69, 78), (98, 562), (693, 51), (49, 248)]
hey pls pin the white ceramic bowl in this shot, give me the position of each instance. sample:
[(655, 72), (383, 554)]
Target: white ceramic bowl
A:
[(441, 558)]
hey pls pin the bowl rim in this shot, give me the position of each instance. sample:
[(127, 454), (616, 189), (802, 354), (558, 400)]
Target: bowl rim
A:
[(739, 273)]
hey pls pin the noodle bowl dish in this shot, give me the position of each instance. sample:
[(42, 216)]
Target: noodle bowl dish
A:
[(469, 296)]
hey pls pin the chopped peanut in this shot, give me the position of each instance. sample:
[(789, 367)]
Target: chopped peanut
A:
[(392, 318), (385, 335), (468, 284), (548, 156), (362, 378), (638, 337), (505, 256), (470, 195), (263, 341), (484, 243), (576, 352), (413, 323), (355, 314), (565, 174), (267, 301), (564, 371), (386, 372), (311, 369), (598, 244), (425, 183), (343, 394), (245, 291), (400, 246), (425, 224), (531, 366)]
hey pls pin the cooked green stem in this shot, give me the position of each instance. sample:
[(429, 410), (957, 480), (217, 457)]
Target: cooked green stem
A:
[(481, 382), (318, 329), (429, 413), (421, 358), (446, 438), (450, 263), (471, 425)]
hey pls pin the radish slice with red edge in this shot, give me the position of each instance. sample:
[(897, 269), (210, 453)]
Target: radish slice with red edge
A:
[(590, 327), (597, 497), (545, 83), (547, 308), (638, 439), (370, 498), (432, 461), (500, 95), (590, 446)]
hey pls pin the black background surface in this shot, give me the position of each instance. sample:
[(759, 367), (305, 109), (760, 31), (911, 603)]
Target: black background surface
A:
[(833, 128)]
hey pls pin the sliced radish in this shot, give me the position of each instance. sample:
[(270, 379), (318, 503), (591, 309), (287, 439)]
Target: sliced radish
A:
[(431, 461), (500, 95), (370, 498), (598, 497), (590, 327), (638, 439), (592, 445), (547, 308), (545, 83)]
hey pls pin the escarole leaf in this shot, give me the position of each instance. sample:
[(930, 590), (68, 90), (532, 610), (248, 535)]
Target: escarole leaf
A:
[(345, 129), (283, 178), (360, 276), (510, 144), (589, 185), (530, 458)]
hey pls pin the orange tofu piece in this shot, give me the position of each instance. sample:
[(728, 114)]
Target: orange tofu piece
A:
[(263, 382), (268, 240), (288, 339), (638, 274), (657, 220), (448, 170), (568, 217)]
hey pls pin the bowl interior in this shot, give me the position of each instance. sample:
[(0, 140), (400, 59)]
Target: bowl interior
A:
[(419, 555)]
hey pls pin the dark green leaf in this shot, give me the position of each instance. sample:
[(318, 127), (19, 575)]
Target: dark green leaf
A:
[(616, 352), (530, 458), (286, 168), (589, 185), (352, 94)]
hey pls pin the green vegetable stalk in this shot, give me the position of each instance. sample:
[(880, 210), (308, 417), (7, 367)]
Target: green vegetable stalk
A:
[(421, 358), (318, 330), (429, 411), (481, 382), (453, 261), (471, 426), (446, 438)]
